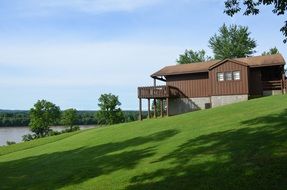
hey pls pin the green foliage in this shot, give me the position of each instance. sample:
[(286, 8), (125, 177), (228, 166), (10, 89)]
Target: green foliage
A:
[(69, 118), (190, 56), (109, 113), (74, 128), (271, 51), (21, 118), (28, 137), (8, 143), (86, 118), (42, 116), (252, 8), (208, 149), (232, 42), (14, 118)]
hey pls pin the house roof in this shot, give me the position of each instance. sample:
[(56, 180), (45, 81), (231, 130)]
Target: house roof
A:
[(256, 61)]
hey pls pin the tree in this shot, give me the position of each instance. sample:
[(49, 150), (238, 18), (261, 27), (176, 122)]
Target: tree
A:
[(43, 115), (252, 8), (232, 42), (109, 113), (69, 118), (271, 51), (191, 56)]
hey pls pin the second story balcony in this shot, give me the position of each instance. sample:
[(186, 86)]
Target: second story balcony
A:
[(149, 92)]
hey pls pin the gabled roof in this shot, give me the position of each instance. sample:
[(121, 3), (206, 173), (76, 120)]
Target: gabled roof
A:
[(185, 68), (256, 61), (226, 60)]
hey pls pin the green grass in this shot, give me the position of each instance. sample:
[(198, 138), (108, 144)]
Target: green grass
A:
[(240, 146)]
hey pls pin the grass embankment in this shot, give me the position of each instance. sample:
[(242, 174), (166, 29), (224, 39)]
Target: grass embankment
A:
[(240, 146)]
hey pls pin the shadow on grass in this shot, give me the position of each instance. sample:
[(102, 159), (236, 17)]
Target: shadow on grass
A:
[(254, 157), (59, 169)]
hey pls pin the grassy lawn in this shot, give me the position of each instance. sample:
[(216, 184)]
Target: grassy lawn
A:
[(240, 146)]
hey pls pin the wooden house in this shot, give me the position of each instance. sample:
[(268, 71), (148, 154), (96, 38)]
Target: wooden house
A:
[(213, 83)]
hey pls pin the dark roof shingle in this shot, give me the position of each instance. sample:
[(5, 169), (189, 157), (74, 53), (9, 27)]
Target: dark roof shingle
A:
[(256, 61)]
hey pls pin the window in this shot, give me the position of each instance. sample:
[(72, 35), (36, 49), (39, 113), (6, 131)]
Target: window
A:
[(236, 75), (220, 76), (228, 75)]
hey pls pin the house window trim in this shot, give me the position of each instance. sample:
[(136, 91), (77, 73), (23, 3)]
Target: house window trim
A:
[(232, 75), (225, 76), (222, 77), (239, 75)]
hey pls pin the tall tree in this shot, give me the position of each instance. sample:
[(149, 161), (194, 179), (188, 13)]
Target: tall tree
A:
[(42, 116), (109, 113), (271, 51), (190, 56), (252, 8), (232, 42), (69, 118)]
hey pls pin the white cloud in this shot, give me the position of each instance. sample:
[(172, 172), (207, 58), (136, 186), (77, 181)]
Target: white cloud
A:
[(98, 64)]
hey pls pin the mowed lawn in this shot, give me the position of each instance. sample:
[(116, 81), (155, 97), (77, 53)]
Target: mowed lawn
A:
[(240, 146)]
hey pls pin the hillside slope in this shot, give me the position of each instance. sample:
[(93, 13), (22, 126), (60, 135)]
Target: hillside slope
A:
[(240, 146)]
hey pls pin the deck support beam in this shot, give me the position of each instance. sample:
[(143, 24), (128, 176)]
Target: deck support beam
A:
[(148, 108), (154, 108), (167, 107), (283, 81), (161, 107), (140, 109)]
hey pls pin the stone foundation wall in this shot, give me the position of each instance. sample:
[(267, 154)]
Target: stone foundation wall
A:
[(271, 92), (183, 105), (224, 100)]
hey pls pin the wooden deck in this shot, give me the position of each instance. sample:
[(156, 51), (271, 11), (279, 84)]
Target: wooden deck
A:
[(158, 92), (274, 85)]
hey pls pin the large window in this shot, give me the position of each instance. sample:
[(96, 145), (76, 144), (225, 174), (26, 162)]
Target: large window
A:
[(228, 75), (236, 75), (220, 76)]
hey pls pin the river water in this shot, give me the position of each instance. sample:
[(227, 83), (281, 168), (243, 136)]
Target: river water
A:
[(15, 133)]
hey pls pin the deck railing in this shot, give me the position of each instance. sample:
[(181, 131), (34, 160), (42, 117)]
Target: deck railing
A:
[(274, 85), (158, 92), (153, 92)]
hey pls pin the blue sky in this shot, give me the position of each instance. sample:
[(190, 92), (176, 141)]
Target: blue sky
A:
[(71, 51)]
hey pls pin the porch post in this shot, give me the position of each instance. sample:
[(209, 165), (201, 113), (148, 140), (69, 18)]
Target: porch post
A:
[(148, 109), (161, 107), (140, 109), (167, 107), (154, 108), (154, 100), (283, 81)]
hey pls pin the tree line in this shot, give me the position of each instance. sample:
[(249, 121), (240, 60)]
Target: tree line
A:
[(45, 114), (21, 118), (10, 118)]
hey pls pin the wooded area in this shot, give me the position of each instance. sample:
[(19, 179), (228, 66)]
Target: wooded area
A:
[(13, 118)]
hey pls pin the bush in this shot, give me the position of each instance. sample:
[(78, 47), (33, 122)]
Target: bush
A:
[(74, 128), (10, 143), (28, 137), (53, 133)]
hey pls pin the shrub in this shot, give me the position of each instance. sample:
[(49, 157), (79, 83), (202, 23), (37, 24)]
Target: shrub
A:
[(28, 137), (10, 142)]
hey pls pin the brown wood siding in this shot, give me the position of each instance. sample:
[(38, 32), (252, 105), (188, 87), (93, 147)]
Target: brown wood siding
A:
[(229, 87), (255, 83), (191, 85)]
